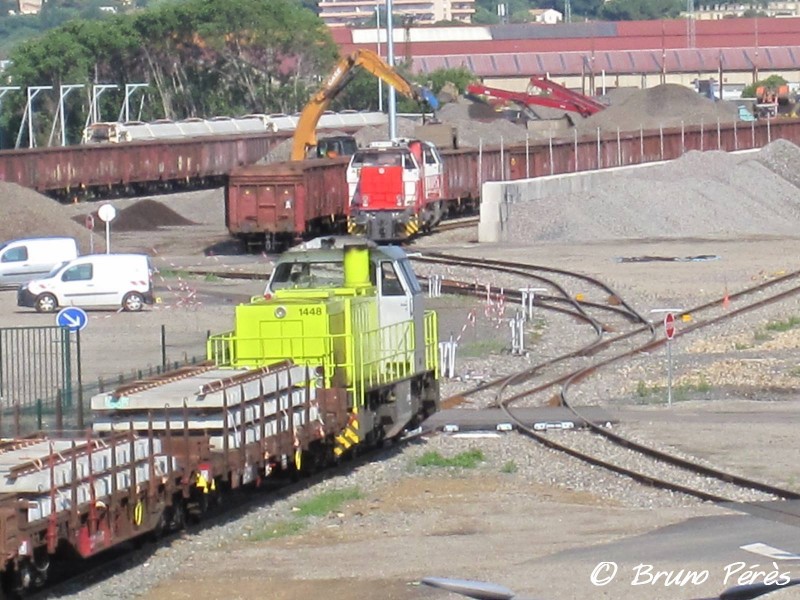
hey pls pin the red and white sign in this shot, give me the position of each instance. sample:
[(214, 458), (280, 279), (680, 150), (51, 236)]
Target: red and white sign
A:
[(89, 222), (669, 325)]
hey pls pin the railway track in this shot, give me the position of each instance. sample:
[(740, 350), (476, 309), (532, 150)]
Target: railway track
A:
[(605, 345), (458, 223), (604, 349)]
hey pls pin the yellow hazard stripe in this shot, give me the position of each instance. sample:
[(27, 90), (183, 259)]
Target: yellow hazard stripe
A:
[(138, 514)]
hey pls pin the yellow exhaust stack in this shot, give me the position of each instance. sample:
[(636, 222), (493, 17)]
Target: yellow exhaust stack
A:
[(356, 266)]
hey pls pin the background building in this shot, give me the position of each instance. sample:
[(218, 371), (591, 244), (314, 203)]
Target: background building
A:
[(728, 10), (548, 16), (341, 13), (595, 56)]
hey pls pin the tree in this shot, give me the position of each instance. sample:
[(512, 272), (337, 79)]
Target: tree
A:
[(436, 80), (200, 57), (773, 82), (484, 16), (640, 10)]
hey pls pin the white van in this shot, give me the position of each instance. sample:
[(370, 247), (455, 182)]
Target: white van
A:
[(23, 260), (95, 280)]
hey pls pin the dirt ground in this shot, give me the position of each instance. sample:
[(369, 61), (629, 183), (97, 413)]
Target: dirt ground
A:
[(477, 525)]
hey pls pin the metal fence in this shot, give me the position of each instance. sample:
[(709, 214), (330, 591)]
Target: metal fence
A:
[(41, 383), (35, 363)]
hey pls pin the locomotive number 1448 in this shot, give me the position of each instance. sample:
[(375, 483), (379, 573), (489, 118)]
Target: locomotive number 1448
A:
[(310, 312)]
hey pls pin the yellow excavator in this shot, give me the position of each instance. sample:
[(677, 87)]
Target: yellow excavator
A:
[(305, 137)]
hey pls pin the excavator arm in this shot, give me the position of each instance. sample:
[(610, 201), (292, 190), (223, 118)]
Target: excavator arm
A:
[(559, 97), (305, 134)]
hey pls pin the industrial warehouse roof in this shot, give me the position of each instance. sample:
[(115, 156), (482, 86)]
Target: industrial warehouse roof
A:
[(574, 48), (684, 60), (623, 35)]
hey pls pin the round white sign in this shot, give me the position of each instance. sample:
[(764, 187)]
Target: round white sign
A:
[(107, 213)]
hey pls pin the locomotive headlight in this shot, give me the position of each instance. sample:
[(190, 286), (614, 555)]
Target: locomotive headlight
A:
[(280, 312)]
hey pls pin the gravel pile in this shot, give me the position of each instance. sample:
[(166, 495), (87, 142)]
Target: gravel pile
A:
[(662, 106), (782, 157), (478, 123), (702, 194), (30, 214), (144, 215)]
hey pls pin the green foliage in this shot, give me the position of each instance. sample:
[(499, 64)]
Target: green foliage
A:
[(327, 502), (318, 506), (771, 82), (173, 273), (277, 530), (484, 16), (436, 80), (637, 10), (656, 394), (701, 386), (643, 390), (464, 460), (786, 325), (360, 94), (762, 336), (510, 467), (201, 57)]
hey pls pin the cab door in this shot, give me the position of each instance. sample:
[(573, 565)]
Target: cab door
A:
[(434, 177), (401, 305)]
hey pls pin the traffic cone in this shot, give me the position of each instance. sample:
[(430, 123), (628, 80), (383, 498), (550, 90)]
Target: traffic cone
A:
[(726, 301)]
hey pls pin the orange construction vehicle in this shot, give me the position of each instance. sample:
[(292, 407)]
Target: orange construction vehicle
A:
[(772, 100)]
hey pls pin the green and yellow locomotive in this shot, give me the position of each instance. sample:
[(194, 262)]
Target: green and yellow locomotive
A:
[(353, 314)]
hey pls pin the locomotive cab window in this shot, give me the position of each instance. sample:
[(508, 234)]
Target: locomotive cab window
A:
[(390, 281), (377, 159), (411, 278), (307, 275), (430, 156)]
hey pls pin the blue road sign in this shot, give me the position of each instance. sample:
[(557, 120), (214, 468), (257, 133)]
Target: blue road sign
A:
[(72, 317)]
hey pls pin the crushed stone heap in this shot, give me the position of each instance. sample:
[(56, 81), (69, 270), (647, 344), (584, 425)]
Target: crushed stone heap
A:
[(662, 106), (28, 213), (144, 215), (700, 195)]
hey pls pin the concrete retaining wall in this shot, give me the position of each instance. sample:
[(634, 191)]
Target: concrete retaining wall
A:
[(497, 197)]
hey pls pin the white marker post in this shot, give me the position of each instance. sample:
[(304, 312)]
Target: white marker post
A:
[(107, 214), (669, 331)]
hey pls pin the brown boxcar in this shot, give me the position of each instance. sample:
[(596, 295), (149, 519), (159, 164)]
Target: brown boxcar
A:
[(269, 206)]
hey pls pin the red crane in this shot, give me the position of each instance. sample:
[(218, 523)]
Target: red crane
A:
[(558, 96)]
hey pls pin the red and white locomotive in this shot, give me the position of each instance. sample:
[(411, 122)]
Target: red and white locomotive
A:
[(396, 189)]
